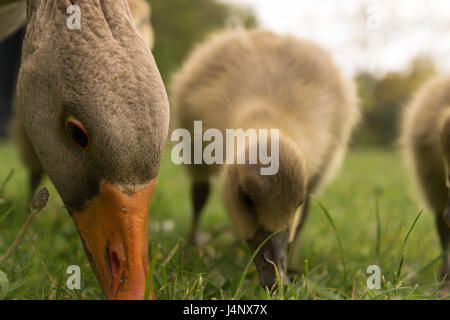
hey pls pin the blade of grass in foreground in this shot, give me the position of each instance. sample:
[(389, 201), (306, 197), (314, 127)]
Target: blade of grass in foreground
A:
[(247, 267), (438, 286), (430, 264), (338, 238), (149, 279), (38, 203), (306, 277), (5, 182), (397, 274), (280, 282), (6, 214), (378, 227)]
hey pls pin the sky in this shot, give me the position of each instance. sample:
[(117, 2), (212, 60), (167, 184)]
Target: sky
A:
[(364, 35)]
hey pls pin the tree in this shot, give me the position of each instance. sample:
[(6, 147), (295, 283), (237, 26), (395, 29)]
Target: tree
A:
[(180, 24), (382, 100)]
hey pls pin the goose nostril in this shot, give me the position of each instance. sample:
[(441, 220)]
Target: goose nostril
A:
[(115, 263)]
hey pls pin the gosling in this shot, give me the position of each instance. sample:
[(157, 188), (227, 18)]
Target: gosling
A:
[(426, 141), (261, 80)]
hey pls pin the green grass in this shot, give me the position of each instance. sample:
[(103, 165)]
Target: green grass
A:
[(362, 218)]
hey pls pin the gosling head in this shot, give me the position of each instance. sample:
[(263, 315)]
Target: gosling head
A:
[(96, 112), (259, 205)]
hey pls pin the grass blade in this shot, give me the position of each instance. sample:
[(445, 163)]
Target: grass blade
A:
[(6, 214), (397, 274), (5, 182), (338, 238), (378, 227), (149, 279), (430, 264)]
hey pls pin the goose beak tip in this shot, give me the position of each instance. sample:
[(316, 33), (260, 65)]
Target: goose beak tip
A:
[(113, 230)]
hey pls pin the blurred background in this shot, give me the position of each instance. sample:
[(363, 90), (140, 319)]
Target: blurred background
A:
[(388, 47)]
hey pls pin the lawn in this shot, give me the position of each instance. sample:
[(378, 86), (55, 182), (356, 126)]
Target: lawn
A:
[(369, 179)]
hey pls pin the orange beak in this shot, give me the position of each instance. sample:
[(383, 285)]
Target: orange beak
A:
[(113, 230)]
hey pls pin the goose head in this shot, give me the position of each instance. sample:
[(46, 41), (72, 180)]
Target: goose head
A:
[(96, 112), (260, 205)]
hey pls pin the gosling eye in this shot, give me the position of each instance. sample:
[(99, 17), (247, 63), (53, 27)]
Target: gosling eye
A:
[(77, 133), (245, 199)]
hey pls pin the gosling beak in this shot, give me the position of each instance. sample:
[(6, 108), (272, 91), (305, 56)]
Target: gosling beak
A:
[(113, 230), (273, 252)]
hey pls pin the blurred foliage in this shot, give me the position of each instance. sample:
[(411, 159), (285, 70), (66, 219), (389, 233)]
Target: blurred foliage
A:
[(382, 99), (180, 24)]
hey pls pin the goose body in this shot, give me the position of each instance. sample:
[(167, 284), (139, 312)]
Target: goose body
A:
[(92, 112), (257, 79), (426, 141)]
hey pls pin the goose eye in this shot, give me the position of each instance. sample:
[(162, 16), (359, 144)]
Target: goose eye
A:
[(77, 133), (245, 199)]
